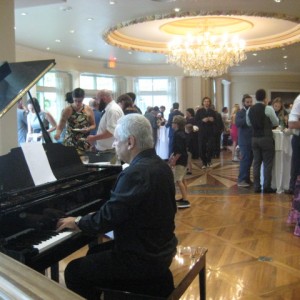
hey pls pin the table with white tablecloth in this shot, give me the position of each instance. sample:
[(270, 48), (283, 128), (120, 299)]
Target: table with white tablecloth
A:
[(282, 161), (162, 143)]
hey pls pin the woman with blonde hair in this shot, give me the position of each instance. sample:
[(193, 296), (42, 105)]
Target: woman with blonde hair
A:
[(280, 112)]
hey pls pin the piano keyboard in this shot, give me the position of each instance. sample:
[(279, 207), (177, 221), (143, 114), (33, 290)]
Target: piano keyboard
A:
[(39, 240), (54, 240)]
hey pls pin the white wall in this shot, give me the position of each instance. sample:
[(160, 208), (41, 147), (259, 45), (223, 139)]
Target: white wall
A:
[(249, 84), (8, 123)]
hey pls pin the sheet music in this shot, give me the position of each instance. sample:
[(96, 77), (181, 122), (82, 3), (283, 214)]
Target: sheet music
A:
[(38, 163)]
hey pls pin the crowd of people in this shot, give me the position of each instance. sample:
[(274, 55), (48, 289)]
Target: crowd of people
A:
[(246, 132), (144, 193)]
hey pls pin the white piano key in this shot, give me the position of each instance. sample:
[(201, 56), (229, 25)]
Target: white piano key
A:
[(54, 240)]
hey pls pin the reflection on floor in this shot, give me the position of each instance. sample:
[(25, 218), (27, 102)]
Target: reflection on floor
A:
[(252, 253)]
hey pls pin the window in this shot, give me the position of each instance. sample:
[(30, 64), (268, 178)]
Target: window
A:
[(95, 82), (155, 92), (92, 83), (51, 91)]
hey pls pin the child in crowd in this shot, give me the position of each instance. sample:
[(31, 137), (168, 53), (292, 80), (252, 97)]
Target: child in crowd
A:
[(179, 159), (189, 145)]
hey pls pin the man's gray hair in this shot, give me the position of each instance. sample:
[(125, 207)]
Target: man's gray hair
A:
[(138, 126), (105, 92)]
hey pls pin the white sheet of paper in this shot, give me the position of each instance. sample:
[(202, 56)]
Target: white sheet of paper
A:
[(38, 163)]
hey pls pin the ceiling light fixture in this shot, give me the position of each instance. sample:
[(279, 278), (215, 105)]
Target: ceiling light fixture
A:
[(206, 55)]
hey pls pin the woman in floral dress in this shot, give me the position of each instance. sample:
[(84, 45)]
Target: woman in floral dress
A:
[(80, 121)]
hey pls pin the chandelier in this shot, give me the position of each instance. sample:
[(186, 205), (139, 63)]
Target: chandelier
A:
[(206, 55)]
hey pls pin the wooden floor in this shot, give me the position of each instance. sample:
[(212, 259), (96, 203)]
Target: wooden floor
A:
[(252, 253)]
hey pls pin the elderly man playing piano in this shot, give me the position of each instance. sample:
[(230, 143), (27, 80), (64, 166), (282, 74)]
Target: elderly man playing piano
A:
[(141, 212)]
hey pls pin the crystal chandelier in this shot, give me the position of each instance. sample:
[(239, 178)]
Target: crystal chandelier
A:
[(206, 55)]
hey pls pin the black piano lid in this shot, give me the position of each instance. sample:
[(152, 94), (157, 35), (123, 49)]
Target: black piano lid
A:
[(23, 76)]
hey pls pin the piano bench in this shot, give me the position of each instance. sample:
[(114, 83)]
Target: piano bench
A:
[(188, 263)]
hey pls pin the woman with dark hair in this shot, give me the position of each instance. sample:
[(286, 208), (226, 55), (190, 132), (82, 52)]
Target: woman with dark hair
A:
[(33, 123), (126, 103), (190, 119), (80, 121)]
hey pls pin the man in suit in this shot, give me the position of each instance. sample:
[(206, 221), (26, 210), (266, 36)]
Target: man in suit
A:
[(294, 123), (205, 119), (244, 139)]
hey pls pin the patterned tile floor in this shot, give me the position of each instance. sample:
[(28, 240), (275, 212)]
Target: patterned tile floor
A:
[(252, 252)]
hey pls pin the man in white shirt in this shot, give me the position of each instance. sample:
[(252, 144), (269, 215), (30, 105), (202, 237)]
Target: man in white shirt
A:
[(110, 115), (294, 123)]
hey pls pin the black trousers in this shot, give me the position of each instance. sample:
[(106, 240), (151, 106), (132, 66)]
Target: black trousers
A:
[(104, 268), (206, 145), (263, 152)]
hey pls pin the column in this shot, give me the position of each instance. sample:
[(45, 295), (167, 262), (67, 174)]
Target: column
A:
[(219, 95), (8, 122), (226, 94)]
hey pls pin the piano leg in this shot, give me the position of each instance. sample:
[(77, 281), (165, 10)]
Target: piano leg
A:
[(55, 272)]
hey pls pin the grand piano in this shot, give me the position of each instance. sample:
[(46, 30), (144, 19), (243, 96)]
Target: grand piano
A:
[(29, 212)]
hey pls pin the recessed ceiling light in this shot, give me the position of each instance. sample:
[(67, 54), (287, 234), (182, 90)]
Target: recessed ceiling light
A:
[(65, 8), (285, 57), (254, 54), (129, 52), (23, 14), (177, 9), (90, 50), (72, 31), (48, 48), (112, 2), (277, 1), (285, 67), (164, 0), (57, 41), (90, 19), (79, 56)]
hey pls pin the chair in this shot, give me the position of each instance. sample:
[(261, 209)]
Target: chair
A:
[(188, 263)]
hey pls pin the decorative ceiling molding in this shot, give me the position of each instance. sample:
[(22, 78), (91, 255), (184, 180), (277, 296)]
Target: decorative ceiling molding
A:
[(166, 26)]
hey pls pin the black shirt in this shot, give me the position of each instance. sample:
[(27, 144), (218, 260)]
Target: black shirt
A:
[(141, 211)]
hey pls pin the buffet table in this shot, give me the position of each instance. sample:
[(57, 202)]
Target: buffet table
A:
[(282, 161), (162, 143)]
